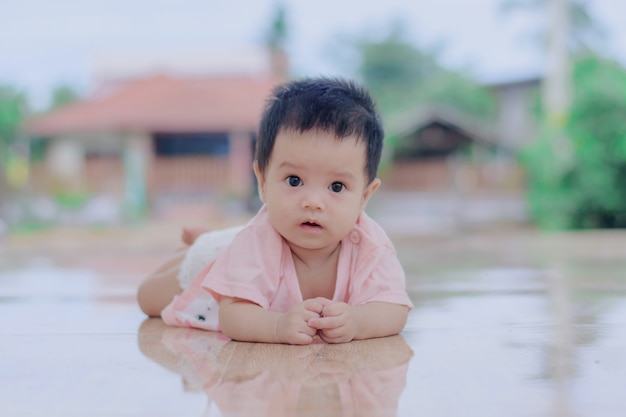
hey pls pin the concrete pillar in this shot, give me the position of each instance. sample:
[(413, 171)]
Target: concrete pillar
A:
[(66, 163), (240, 164), (135, 155)]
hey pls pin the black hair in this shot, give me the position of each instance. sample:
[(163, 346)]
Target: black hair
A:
[(333, 105)]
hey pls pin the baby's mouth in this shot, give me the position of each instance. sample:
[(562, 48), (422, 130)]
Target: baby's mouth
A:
[(310, 224)]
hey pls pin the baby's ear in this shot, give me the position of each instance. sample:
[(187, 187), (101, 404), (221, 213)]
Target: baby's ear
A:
[(370, 190), (260, 179)]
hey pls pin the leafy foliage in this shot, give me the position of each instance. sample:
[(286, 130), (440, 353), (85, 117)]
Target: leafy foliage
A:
[(400, 75), (62, 95), (278, 33), (393, 69), (577, 181), (460, 92), (13, 107), (12, 111)]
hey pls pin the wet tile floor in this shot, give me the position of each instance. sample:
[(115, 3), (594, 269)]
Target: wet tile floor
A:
[(507, 322)]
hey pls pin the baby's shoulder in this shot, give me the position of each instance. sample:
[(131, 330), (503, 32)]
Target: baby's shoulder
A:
[(368, 233)]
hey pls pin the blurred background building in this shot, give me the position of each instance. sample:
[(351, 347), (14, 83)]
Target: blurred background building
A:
[(158, 136), (169, 114)]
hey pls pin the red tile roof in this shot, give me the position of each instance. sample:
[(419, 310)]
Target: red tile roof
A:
[(163, 104)]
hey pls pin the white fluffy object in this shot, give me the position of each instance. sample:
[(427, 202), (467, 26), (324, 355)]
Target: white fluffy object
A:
[(203, 251)]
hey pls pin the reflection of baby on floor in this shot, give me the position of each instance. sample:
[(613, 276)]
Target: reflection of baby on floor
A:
[(187, 352), (357, 378)]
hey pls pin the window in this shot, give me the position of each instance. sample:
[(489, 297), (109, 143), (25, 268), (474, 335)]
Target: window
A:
[(188, 144)]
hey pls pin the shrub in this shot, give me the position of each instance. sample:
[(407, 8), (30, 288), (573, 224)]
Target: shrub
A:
[(577, 180)]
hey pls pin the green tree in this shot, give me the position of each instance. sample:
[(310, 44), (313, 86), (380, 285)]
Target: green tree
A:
[(567, 29), (13, 108), (63, 94), (278, 33), (394, 69), (584, 189), (458, 91), (401, 76), (276, 37)]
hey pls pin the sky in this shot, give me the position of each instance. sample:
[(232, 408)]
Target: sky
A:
[(46, 43)]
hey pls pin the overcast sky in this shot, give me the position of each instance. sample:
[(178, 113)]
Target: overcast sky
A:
[(44, 43)]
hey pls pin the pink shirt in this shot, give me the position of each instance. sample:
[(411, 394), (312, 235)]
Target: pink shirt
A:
[(258, 266)]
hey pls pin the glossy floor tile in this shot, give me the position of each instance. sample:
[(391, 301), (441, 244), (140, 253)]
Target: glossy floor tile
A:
[(515, 324)]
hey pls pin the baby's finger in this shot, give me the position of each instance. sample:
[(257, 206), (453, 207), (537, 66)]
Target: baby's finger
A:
[(325, 301), (316, 304), (301, 339), (334, 309), (337, 335), (322, 323)]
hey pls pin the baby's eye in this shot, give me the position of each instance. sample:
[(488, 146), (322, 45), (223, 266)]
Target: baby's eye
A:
[(293, 181), (337, 187)]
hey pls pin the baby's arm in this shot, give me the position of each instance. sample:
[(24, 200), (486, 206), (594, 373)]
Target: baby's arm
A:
[(248, 322), (342, 323)]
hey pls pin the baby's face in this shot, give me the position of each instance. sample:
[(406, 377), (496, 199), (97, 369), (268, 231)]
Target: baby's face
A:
[(315, 187)]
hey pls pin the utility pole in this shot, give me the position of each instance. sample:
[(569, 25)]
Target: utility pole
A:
[(557, 96), (557, 81)]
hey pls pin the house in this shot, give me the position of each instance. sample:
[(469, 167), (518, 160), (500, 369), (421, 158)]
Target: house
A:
[(515, 100), (155, 140), (438, 149), (441, 149)]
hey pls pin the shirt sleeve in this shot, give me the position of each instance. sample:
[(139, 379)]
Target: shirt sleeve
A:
[(249, 268), (376, 273), (379, 276)]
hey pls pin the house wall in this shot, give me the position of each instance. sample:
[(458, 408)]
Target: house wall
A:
[(170, 180), (446, 175), (104, 174), (425, 175), (223, 171), (64, 163), (241, 183), (101, 175), (188, 176), (516, 123)]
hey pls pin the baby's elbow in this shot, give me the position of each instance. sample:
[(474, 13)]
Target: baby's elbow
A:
[(228, 326), (233, 330), (399, 320), (403, 315)]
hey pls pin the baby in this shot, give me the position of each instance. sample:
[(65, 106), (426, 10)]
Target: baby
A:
[(311, 263)]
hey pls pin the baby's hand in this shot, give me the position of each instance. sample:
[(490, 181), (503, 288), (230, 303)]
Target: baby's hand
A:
[(292, 327), (337, 323)]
